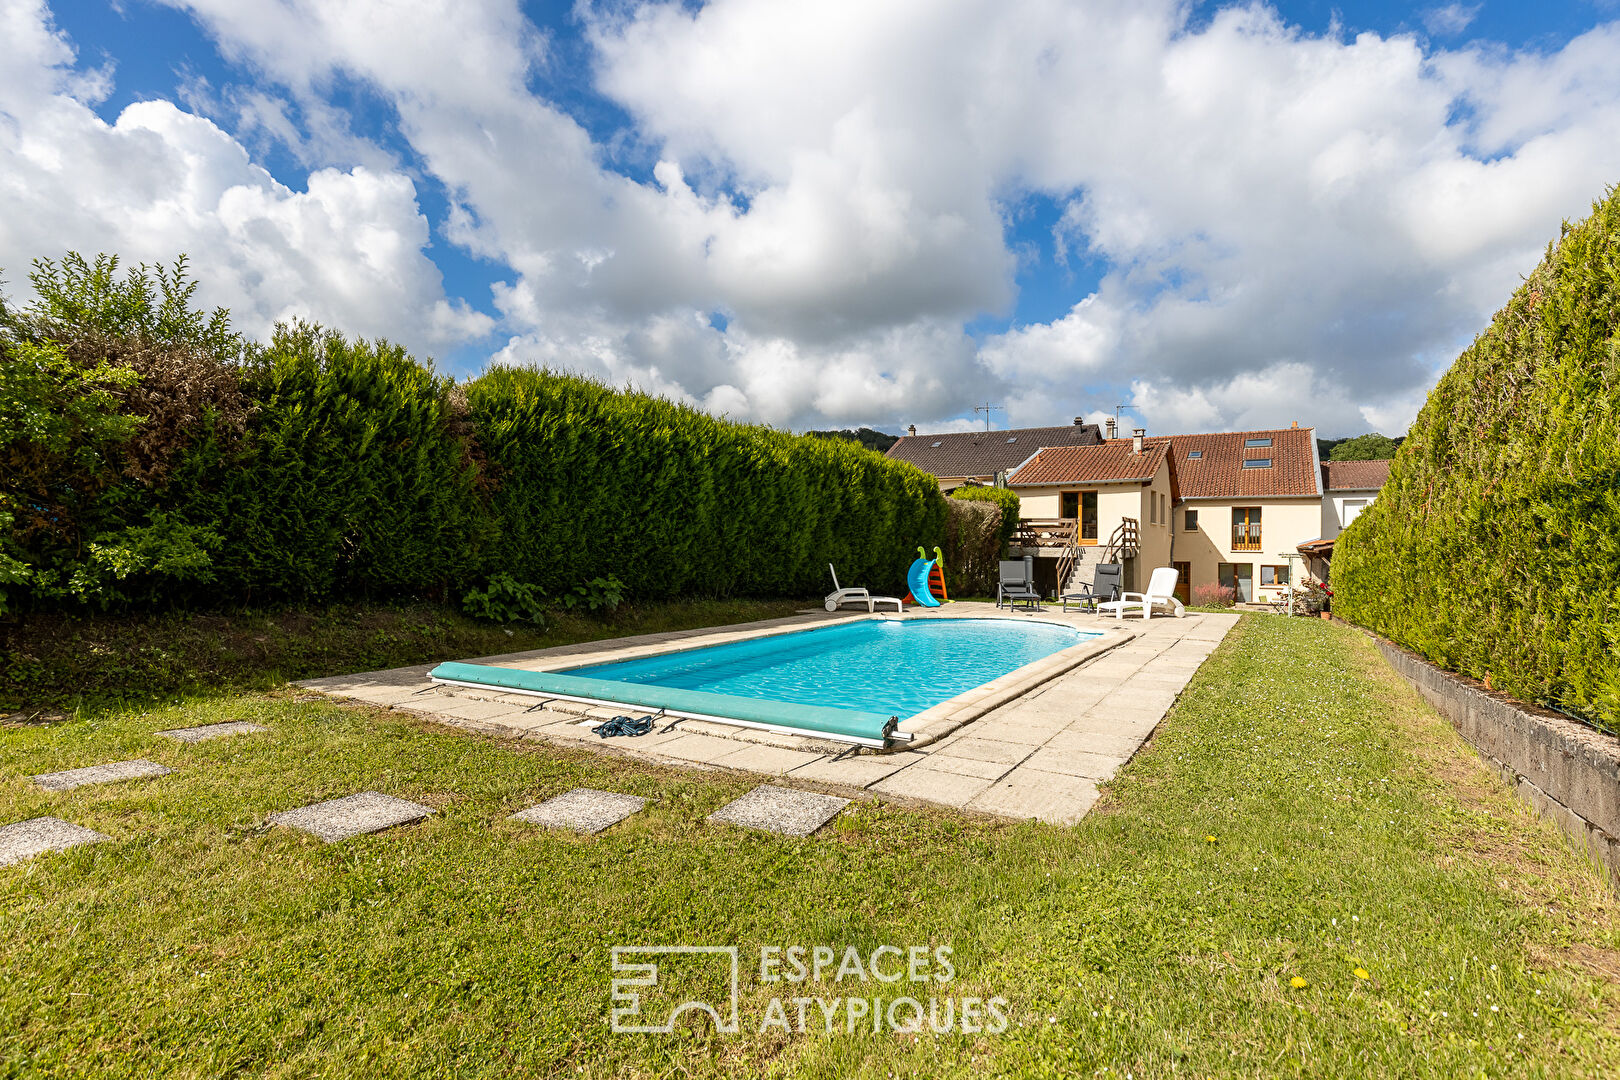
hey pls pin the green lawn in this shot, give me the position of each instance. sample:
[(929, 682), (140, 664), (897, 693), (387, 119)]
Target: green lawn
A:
[(1299, 815)]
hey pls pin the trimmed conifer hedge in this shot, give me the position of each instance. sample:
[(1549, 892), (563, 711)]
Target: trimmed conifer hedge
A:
[(317, 466), (1494, 548)]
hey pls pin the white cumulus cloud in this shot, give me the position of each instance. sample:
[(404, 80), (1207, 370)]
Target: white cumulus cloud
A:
[(160, 181)]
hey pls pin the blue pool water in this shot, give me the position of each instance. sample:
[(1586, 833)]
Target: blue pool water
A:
[(898, 667)]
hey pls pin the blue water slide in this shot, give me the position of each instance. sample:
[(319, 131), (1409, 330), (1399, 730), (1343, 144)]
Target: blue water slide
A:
[(917, 582)]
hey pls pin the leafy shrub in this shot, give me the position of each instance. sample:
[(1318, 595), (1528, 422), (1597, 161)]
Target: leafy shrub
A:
[(505, 599), (972, 546), (1212, 595), (1006, 500), (1494, 548), (597, 594)]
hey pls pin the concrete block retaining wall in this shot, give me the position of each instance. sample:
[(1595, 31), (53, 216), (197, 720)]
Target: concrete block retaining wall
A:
[(1566, 770)]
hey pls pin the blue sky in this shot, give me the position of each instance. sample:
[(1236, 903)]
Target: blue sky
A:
[(888, 256)]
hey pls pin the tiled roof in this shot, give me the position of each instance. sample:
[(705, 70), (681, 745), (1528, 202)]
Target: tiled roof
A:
[(1218, 473), (1114, 461), (1355, 475), (985, 453)]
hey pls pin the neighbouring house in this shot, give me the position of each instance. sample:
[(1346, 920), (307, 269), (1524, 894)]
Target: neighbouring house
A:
[(1227, 509), (979, 457), (1348, 488)]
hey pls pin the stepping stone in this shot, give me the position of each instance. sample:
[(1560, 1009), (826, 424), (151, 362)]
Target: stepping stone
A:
[(781, 810), (582, 809), (211, 731), (100, 774), (340, 819), (36, 836)]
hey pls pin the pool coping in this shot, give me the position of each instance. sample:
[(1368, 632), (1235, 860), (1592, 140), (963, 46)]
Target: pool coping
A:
[(918, 730)]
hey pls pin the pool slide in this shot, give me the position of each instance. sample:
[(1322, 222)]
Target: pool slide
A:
[(917, 580)]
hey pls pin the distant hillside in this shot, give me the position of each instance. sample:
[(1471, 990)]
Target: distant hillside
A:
[(1369, 447), (872, 440)]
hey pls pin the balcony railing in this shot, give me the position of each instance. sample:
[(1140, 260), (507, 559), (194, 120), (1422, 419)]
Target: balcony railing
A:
[(1245, 538)]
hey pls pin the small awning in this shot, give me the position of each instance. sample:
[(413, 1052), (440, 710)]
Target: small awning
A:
[(1317, 549)]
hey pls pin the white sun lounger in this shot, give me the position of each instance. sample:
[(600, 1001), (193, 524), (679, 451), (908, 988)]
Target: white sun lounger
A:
[(1161, 590), (841, 595)]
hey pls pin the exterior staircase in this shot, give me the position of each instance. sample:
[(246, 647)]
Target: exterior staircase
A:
[(1078, 565)]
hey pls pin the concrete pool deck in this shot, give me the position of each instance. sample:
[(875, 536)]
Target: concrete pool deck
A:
[(1034, 744)]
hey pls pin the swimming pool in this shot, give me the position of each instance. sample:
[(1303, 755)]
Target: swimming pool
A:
[(900, 667), (854, 680)]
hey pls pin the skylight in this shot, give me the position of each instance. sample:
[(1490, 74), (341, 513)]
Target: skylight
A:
[(1013, 439), (1194, 455), (1256, 442), (1257, 463), (936, 444)]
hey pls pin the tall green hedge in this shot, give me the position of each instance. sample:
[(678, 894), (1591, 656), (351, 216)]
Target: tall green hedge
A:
[(589, 480), (1494, 548), (316, 466)]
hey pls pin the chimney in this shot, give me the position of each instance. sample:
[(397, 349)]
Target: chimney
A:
[(911, 429), (1079, 421), (1112, 428), (1136, 439), (1296, 423)]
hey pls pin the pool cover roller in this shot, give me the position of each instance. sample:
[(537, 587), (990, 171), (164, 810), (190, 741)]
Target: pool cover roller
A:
[(850, 725)]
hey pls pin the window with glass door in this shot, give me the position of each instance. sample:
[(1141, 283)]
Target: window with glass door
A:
[(1239, 577), (1245, 528), (1082, 505)]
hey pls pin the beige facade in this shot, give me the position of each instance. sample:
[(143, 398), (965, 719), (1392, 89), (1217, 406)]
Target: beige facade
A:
[(1210, 551)]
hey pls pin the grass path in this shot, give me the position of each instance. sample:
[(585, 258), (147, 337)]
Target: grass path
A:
[(1300, 815)]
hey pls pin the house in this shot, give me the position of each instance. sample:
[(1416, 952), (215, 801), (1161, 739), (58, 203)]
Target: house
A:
[(1083, 505), (1348, 488), (962, 457), (1246, 500), (1227, 509)]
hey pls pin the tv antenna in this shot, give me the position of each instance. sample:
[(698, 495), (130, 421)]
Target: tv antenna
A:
[(987, 409), (1119, 409)]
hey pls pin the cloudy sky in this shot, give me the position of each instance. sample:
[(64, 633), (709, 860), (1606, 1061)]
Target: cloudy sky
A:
[(841, 212)]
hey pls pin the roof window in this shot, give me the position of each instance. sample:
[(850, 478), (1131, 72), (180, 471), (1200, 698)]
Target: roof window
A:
[(1194, 455), (933, 444), (1257, 463), (1256, 442), (1013, 439)]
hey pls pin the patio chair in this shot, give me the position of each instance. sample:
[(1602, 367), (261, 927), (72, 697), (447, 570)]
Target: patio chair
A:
[(1161, 590), (1104, 587), (841, 595), (1017, 584)]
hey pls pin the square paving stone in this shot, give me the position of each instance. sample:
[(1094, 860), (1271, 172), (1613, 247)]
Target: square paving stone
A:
[(781, 810), (1030, 793), (340, 819), (584, 810), (36, 836), (100, 774), (212, 731)]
